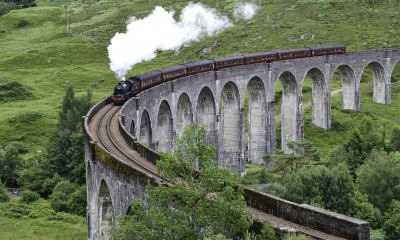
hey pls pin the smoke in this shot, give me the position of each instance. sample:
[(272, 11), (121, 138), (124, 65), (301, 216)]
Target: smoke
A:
[(160, 31), (245, 11)]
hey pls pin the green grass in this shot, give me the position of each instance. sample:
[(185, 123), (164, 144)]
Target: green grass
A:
[(39, 52), (39, 221), (30, 229)]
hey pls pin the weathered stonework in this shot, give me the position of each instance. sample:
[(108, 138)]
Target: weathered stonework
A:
[(156, 116), (216, 100)]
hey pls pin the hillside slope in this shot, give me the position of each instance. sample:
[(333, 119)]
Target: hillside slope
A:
[(39, 51)]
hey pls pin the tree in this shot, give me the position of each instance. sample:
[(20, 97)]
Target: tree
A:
[(10, 161), (395, 139), (4, 196), (61, 194), (6, 7), (322, 187), (392, 224), (37, 175), (361, 143), (65, 150), (23, 3), (379, 178), (263, 178), (366, 211), (203, 199), (301, 154)]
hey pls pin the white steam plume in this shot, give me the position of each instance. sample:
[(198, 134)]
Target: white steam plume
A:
[(160, 31), (245, 11)]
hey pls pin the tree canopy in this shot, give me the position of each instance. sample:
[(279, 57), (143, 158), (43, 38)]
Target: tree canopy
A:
[(204, 200)]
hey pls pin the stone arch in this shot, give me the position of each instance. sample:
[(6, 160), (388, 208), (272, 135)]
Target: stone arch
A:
[(231, 122), (350, 93), (291, 119), (320, 103), (206, 114), (379, 75), (145, 134), (105, 212), (256, 120), (164, 128), (184, 115)]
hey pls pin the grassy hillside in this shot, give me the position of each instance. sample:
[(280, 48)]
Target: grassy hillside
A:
[(39, 52)]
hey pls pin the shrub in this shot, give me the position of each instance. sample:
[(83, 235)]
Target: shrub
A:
[(6, 7), (391, 226), (28, 196), (4, 196), (13, 91), (60, 196)]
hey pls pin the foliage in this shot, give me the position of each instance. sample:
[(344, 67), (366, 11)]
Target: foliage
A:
[(37, 175), (22, 3), (361, 143), (67, 197), (13, 91), (322, 187), (392, 223), (60, 196), (395, 139), (6, 7), (78, 201), (10, 162), (263, 177), (275, 189), (378, 178), (28, 196), (300, 154), (4, 196), (38, 221), (366, 211), (205, 199), (66, 151), (267, 232), (338, 155), (377, 234), (294, 236)]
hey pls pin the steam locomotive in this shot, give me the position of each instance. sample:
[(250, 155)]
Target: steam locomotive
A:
[(134, 85)]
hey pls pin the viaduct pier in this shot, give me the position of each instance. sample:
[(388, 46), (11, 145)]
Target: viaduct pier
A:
[(121, 144)]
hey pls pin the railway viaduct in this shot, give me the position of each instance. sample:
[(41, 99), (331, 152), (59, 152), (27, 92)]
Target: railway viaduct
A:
[(149, 123)]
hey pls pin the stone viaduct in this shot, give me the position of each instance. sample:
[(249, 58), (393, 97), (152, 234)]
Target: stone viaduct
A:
[(216, 100), (150, 122)]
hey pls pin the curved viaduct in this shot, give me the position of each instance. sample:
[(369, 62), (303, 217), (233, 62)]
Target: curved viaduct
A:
[(117, 175), (216, 100)]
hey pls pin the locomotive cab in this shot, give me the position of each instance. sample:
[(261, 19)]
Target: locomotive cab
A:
[(122, 92)]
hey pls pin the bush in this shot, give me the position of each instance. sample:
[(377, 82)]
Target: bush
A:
[(78, 201), (4, 196), (391, 226), (10, 162), (60, 196), (6, 7), (13, 91), (322, 187), (39, 177), (28, 196), (67, 197)]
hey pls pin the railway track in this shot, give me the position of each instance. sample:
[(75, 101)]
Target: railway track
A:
[(105, 130)]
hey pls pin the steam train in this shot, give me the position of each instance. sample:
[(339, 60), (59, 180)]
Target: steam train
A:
[(134, 85)]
